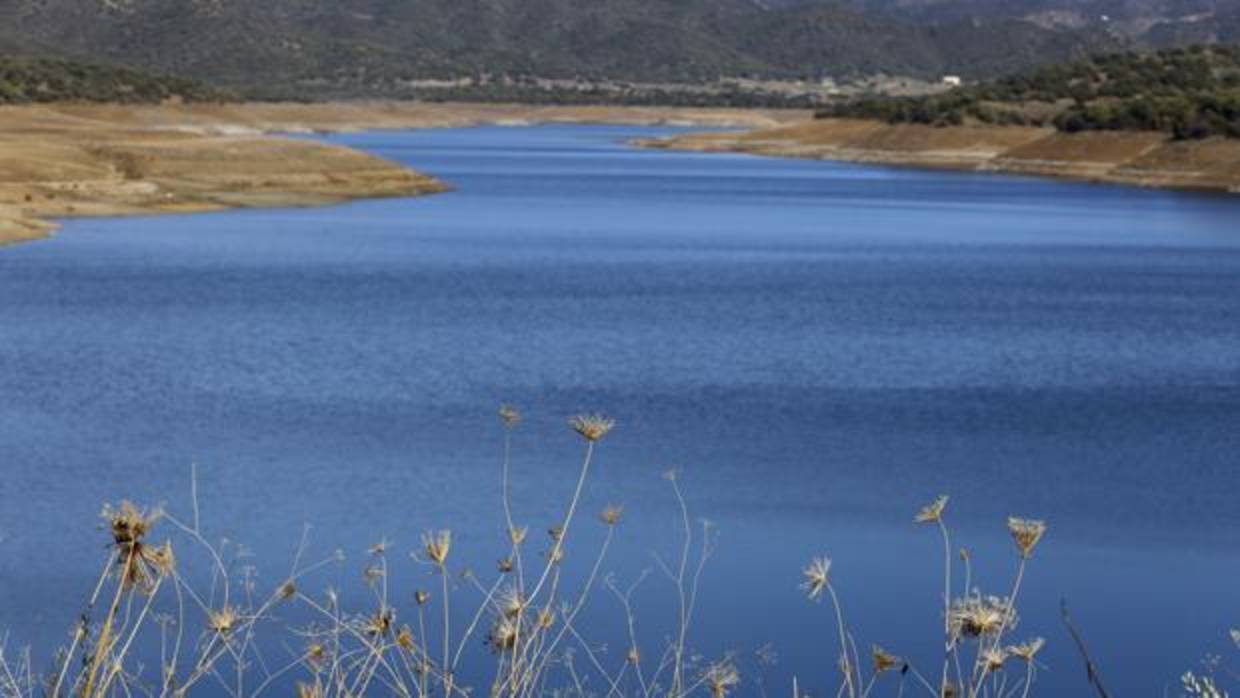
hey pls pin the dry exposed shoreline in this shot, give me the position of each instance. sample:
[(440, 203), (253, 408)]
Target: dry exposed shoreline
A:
[(66, 160), (1135, 158)]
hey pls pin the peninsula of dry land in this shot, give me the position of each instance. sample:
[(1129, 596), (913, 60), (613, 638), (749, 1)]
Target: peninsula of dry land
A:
[(66, 160)]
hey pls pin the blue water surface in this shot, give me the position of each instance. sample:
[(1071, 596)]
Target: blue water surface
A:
[(819, 348)]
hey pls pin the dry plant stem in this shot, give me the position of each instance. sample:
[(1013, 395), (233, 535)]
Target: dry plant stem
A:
[(518, 650), (678, 670), (540, 661), (473, 625), (426, 669), (598, 666), (506, 495), (339, 624), (103, 648), (980, 665), (1028, 679), (947, 603), (687, 596), (1091, 669), (116, 663), (568, 519), (839, 623), (626, 601), (78, 636), (447, 628)]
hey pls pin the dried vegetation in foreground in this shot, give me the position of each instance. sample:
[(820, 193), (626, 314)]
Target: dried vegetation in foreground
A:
[(151, 628)]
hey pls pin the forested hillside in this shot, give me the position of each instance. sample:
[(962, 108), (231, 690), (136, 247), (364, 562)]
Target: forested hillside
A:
[(385, 47), (24, 80), (1191, 93)]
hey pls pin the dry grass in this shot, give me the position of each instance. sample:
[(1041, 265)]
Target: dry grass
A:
[(213, 630)]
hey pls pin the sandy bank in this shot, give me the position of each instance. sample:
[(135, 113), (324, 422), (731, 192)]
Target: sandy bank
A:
[(1139, 158), (66, 160)]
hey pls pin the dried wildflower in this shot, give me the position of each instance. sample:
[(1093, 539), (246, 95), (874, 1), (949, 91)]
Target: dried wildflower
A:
[(504, 634), (421, 597), (437, 545), (1027, 650), (555, 533), (1201, 686), (404, 638), (140, 564), (546, 618), (817, 577), (950, 690), (517, 534), (505, 565), (1235, 637), (306, 690), (288, 589), (964, 555), (994, 658), (510, 416), (511, 602), (721, 678), (634, 656), (556, 555), (129, 524), (223, 621), (1026, 533), (611, 514), (883, 660), (932, 512), (975, 616), (591, 427), (161, 559), (378, 548), (380, 624), (315, 654)]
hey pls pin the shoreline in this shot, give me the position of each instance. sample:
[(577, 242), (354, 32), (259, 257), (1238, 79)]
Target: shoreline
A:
[(61, 161), (1142, 159)]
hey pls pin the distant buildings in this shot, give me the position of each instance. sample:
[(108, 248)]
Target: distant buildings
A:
[(952, 80)]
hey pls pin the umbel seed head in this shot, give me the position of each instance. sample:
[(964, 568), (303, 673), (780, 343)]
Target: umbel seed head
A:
[(721, 678), (611, 514), (883, 660), (436, 545), (1027, 650), (592, 427), (510, 416), (932, 512), (817, 577), (1026, 533)]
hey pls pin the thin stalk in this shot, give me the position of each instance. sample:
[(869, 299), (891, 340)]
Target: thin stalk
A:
[(839, 622)]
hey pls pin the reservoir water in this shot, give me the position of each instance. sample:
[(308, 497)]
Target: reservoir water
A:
[(818, 348)]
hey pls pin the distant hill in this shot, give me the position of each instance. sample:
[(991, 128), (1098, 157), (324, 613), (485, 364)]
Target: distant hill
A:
[(384, 47), (1142, 23), (1189, 92), (343, 48), (24, 80)]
